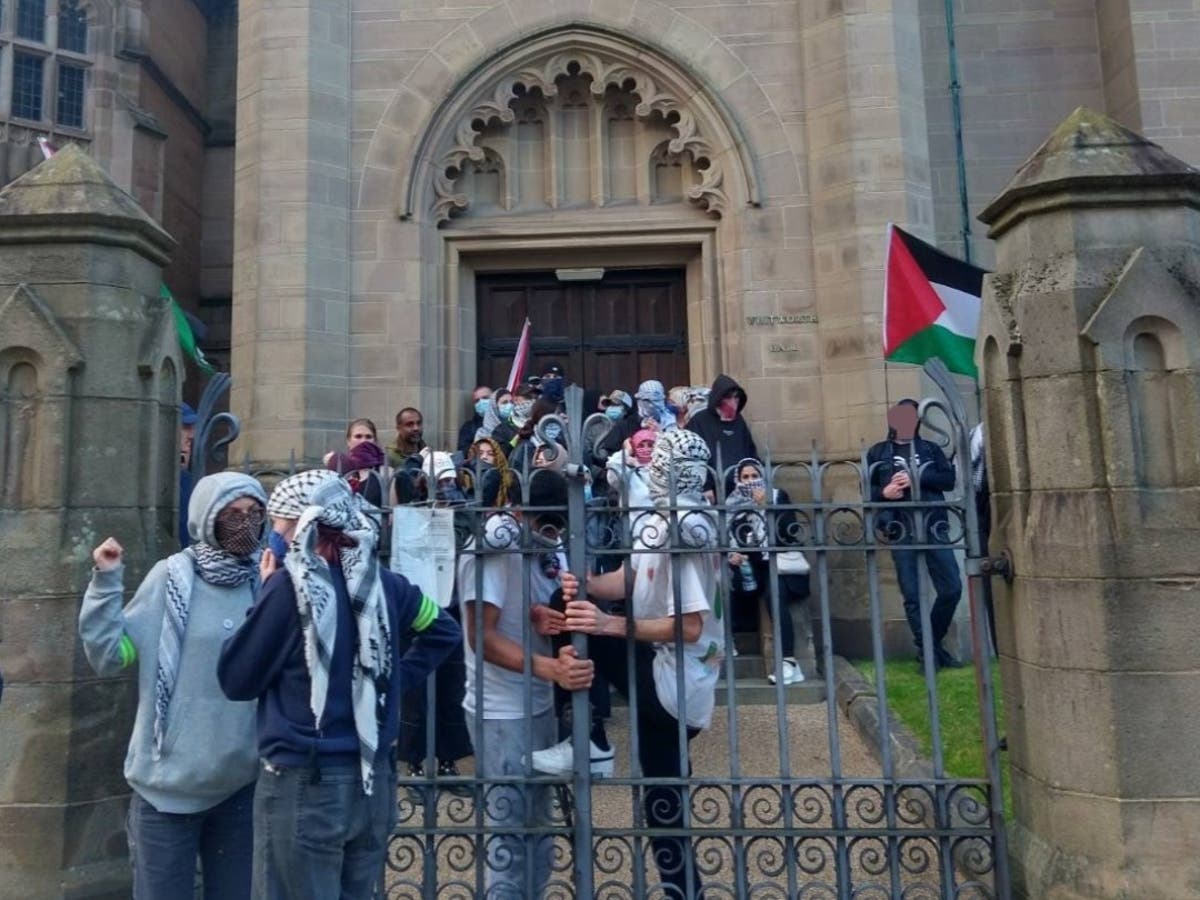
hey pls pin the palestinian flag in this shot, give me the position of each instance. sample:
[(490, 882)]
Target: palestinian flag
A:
[(931, 305)]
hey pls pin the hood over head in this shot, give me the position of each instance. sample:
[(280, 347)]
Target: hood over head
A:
[(721, 386), (212, 494)]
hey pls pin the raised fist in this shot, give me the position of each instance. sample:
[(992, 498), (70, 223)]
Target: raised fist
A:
[(108, 554)]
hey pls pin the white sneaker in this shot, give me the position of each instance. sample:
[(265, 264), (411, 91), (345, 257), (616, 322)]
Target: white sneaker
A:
[(560, 760), (791, 672)]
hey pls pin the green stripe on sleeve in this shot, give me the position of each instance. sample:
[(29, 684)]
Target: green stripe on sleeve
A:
[(127, 651), (425, 615)]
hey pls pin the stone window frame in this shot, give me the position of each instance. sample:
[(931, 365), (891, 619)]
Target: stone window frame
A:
[(53, 57)]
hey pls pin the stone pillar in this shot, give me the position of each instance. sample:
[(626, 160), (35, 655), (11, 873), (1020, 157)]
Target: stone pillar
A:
[(291, 272), (89, 446), (1089, 350), (868, 165)]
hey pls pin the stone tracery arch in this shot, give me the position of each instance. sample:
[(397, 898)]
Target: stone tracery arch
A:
[(699, 129)]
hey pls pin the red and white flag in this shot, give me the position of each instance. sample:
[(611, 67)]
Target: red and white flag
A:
[(521, 360)]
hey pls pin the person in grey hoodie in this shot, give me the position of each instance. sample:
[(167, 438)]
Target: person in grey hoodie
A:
[(193, 757)]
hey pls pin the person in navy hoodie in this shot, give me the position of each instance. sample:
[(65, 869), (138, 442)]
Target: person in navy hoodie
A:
[(320, 652)]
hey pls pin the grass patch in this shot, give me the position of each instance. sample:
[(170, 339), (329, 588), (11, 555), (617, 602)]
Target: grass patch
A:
[(958, 704)]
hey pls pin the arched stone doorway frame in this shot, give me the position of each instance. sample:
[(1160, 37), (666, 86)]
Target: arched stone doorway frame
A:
[(700, 236)]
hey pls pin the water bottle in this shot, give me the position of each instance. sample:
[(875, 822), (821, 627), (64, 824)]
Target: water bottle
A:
[(749, 582)]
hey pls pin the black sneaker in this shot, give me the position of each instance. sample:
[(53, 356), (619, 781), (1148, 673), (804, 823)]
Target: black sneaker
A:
[(447, 768), (946, 660), (416, 794)]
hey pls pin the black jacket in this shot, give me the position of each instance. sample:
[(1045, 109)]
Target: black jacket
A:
[(623, 429), (732, 439), (925, 460), (466, 434)]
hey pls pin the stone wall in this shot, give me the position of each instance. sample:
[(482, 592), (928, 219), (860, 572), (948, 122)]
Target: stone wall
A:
[(85, 343)]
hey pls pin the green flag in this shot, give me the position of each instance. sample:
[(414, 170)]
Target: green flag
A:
[(187, 340)]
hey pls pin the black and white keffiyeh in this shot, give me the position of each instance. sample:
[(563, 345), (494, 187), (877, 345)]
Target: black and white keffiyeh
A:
[(315, 498), (683, 455), (679, 463)]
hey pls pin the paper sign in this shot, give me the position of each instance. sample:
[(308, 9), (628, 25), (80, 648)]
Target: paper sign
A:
[(423, 550)]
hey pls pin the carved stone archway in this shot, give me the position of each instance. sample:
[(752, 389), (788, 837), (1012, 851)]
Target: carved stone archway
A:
[(696, 131)]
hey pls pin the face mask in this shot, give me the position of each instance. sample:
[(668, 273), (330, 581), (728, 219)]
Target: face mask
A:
[(749, 487), (505, 410), (614, 412), (672, 408), (481, 406), (239, 533), (553, 432), (451, 493), (278, 544)]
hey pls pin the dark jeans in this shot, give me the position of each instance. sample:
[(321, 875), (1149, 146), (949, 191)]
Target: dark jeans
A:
[(321, 840), (947, 588), (451, 740), (163, 849), (792, 588), (658, 752)]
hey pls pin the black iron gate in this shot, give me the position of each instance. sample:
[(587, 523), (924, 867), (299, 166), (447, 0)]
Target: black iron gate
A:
[(772, 800)]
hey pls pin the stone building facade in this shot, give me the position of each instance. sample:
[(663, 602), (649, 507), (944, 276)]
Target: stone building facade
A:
[(388, 152), (394, 157)]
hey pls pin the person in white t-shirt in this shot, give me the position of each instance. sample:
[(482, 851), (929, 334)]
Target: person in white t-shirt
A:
[(503, 634), (679, 639)]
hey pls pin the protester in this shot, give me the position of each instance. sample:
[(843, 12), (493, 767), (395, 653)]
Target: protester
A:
[(481, 402), (187, 436), (628, 475), (526, 444), (679, 405), (893, 464), (651, 412), (192, 795), (410, 429), (406, 455), (495, 616), (486, 461), (677, 476), (360, 464), (751, 571), (320, 653), (721, 425), (498, 420)]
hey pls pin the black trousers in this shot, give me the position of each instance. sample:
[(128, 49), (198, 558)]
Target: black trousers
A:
[(659, 755), (451, 740)]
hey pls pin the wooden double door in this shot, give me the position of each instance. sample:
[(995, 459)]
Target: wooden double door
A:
[(628, 327)]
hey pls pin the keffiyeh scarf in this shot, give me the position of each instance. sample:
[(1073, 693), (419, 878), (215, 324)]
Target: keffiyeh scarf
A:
[(315, 498), (214, 566), (680, 463)]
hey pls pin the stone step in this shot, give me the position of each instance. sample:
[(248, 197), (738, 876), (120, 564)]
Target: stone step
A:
[(758, 692)]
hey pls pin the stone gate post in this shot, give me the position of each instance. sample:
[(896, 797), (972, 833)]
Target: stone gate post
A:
[(89, 405), (1089, 349)]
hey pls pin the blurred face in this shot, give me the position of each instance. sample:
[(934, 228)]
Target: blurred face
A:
[(485, 453), (410, 427), (539, 459), (360, 434), (187, 435), (644, 450), (481, 393)]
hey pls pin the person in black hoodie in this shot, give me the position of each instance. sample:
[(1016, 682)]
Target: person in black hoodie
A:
[(722, 426), (320, 650), (892, 465)]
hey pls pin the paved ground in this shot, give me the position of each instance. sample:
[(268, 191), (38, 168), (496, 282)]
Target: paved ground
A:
[(758, 849)]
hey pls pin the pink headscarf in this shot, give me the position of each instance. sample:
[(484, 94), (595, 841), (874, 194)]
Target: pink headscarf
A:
[(640, 437)]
